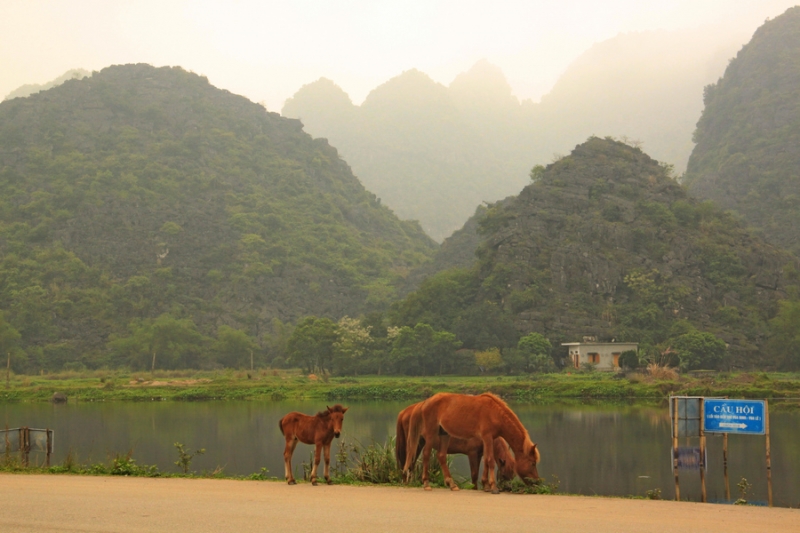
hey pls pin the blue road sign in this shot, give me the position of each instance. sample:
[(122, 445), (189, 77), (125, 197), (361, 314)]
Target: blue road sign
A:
[(733, 416)]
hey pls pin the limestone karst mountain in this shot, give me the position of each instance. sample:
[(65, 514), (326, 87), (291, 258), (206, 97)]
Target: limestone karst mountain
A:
[(606, 242), (427, 151), (747, 156), (144, 192), (433, 153)]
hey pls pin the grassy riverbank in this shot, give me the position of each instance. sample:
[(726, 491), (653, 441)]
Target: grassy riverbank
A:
[(355, 464), (280, 385)]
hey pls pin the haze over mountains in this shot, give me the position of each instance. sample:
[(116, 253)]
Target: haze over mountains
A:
[(432, 153), (32, 88)]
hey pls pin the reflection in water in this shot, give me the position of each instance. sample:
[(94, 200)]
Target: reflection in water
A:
[(593, 449)]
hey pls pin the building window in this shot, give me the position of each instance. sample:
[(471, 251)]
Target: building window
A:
[(594, 358), (616, 360)]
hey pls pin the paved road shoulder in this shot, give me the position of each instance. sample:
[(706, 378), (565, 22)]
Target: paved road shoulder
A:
[(61, 503)]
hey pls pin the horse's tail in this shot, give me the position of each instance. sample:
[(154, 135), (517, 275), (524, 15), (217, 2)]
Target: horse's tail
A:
[(400, 443), (412, 443), (280, 425)]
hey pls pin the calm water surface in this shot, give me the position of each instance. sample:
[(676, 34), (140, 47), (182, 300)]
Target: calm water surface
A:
[(607, 449)]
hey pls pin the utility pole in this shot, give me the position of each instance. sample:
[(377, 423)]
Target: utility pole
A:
[(8, 371)]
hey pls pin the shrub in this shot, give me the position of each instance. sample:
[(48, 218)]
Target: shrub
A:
[(489, 359), (629, 359)]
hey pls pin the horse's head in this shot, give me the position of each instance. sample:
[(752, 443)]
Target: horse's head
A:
[(337, 417), (506, 464), (526, 463)]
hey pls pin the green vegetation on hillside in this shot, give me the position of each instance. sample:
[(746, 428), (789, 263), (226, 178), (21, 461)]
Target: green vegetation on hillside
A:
[(150, 219), (606, 243), (746, 156)]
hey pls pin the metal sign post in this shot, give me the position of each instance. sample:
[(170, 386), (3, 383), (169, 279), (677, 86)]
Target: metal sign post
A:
[(674, 409), (746, 417), (687, 421), (769, 459)]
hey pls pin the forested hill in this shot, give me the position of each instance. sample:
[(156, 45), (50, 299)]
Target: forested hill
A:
[(747, 156), (144, 197), (605, 242)]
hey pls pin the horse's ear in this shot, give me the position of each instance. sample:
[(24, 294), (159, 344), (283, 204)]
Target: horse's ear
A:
[(328, 408), (345, 410), (535, 453)]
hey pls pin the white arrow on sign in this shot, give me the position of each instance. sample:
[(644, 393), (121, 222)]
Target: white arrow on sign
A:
[(731, 425)]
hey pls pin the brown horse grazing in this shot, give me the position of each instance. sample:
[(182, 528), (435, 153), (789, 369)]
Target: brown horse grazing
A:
[(472, 448), (463, 416), (318, 430)]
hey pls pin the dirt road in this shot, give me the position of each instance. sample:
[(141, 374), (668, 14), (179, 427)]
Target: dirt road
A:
[(42, 504)]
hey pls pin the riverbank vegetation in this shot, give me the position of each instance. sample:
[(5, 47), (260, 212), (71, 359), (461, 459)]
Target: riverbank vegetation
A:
[(355, 464), (276, 385)]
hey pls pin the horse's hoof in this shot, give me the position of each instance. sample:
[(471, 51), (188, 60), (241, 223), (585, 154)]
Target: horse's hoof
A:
[(495, 491), (314, 483), (486, 489), (454, 488), (329, 482), (428, 488), (293, 482)]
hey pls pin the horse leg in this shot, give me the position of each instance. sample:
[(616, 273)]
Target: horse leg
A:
[(327, 450), (291, 443), (444, 442), (489, 463), (474, 467), (426, 455), (317, 450)]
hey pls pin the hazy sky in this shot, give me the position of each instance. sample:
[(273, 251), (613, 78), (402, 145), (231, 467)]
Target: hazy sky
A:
[(267, 50)]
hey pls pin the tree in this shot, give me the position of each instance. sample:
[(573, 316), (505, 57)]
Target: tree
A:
[(423, 350), (785, 340), (234, 348), (488, 360), (311, 345), (353, 344), (9, 338), (536, 351), (699, 351), (175, 340), (629, 359)]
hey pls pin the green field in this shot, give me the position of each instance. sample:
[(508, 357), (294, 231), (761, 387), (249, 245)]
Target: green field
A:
[(282, 384)]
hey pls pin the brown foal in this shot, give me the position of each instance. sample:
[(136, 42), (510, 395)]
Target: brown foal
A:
[(319, 430)]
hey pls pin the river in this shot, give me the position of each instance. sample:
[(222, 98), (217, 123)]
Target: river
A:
[(598, 448)]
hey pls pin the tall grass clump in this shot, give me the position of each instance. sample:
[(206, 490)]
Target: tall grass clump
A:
[(377, 464), (664, 372)]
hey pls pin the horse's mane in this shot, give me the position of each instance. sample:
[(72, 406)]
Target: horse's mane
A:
[(512, 417)]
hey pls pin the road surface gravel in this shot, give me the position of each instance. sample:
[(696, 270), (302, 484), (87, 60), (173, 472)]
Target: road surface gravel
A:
[(64, 503)]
